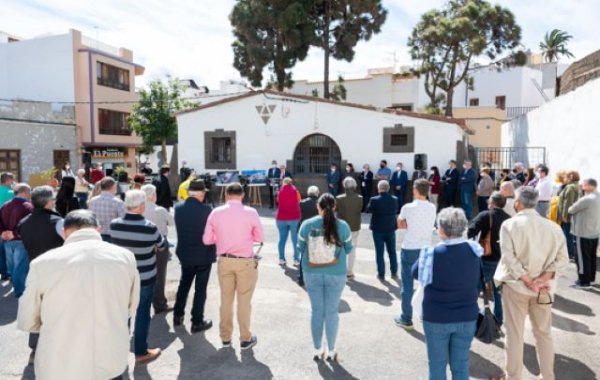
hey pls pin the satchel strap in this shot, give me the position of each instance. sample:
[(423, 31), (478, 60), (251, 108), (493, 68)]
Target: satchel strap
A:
[(486, 300)]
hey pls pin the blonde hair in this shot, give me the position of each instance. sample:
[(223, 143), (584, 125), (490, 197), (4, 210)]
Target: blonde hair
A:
[(287, 181)]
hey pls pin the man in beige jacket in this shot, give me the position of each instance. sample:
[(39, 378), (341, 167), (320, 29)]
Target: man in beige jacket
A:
[(79, 297), (533, 251)]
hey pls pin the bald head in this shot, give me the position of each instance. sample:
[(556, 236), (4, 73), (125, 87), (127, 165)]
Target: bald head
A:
[(507, 189)]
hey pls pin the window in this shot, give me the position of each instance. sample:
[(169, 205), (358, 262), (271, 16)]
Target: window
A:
[(10, 161), (399, 139), (501, 102), (314, 154), (219, 149), (474, 102), (113, 122), (112, 76)]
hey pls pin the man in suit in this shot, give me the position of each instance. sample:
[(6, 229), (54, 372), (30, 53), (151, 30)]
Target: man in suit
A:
[(398, 184), (384, 208), (333, 180), (365, 179), (163, 189), (196, 258), (308, 209), (467, 188), (450, 180), (272, 178)]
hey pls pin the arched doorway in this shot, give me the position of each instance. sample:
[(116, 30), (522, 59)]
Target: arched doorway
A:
[(314, 155)]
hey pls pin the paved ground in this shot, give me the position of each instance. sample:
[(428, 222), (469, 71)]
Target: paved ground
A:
[(369, 344)]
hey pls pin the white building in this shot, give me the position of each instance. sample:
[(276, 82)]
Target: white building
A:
[(307, 134), (568, 129), (203, 95)]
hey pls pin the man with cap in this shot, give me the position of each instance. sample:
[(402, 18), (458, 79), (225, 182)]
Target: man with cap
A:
[(195, 257)]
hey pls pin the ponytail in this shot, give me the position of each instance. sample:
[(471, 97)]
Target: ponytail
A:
[(330, 233)]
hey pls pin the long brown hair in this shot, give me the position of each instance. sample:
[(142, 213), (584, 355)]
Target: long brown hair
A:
[(327, 205)]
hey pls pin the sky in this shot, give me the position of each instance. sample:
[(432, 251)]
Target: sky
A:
[(192, 38)]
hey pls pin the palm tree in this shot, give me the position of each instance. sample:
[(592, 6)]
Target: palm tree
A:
[(554, 45)]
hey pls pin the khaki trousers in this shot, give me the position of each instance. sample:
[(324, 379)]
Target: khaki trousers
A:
[(237, 277), (516, 307)]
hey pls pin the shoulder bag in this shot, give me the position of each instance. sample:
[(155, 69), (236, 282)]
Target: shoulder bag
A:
[(486, 241), (321, 253), (488, 327)]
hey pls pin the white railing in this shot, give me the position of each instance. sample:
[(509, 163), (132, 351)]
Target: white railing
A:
[(95, 44)]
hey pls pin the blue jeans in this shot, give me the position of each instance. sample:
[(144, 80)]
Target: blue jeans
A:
[(285, 227), (83, 197), (384, 240), (407, 258), (3, 266), (325, 292), (17, 263), (142, 320), (489, 268), (449, 343), (566, 227), (466, 200)]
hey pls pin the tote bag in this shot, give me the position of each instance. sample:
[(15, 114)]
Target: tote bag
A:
[(320, 253)]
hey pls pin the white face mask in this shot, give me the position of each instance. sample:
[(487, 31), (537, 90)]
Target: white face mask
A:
[(398, 168), (332, 169), (348, 169)]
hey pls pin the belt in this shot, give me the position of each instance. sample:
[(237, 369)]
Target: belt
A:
[(230, 256), (543, 201)]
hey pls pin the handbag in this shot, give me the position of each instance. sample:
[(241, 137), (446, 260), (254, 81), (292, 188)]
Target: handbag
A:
[(488, 327), (486, 241), (320, 252), (417, 301)]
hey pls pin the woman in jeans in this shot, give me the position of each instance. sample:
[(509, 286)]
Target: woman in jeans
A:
[(288, 218), (450, 274), (325, 284)]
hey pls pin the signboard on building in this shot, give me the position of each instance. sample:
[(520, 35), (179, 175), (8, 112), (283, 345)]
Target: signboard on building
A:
[(108, 152)]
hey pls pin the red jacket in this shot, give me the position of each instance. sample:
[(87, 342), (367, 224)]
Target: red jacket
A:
[(289, 203), (96, 175), (11, 214)]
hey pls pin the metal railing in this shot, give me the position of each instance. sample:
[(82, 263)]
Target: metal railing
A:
[(505, 158), (513, 112)]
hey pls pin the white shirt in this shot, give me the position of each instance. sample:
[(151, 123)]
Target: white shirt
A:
[(79, 298), (420, 220), (159, 216), (544, 187), (509, 208)]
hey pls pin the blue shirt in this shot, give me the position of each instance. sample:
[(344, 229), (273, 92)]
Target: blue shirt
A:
[(387, 172), (452, 295), (345, 236)]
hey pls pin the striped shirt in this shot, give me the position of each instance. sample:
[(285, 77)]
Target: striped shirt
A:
[(140, 236), (107, 207)]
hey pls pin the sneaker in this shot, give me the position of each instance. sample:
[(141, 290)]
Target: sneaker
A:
[(282, 263), (579, 285), (405, 325), (246, 345), (318, 354), (226, 343), (332, 356), (31, 357), (151, 354), (296, 263)]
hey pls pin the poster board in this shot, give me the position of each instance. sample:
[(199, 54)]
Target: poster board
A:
[(255, 177), (226, 177)]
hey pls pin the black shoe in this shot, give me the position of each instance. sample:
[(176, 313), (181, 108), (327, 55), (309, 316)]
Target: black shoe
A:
[(177, 320), (226, 343), (381, 278), (249, 343), (395, 276), (202, 326)]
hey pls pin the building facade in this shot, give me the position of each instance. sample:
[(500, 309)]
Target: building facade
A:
[(307, 134), (98, 79)]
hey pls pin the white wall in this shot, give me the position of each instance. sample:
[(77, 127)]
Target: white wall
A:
[(569, 128), (359, 133), (39, 69)]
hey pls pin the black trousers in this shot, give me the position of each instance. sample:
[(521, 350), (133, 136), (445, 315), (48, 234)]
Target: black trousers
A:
[(450, 196), (162, 258), (366, 194), (585, 257), (201, 273), (271, 196)]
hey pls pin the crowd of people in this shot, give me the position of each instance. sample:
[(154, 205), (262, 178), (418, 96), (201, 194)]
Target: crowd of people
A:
[(84, 262)]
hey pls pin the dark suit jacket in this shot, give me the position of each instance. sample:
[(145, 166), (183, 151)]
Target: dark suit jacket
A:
[(273, 175), (190, 222), (450, 178), (467, 181), (399, 179), (333, 178), (163, 192), (365, 181), (383, 209), (308, 208)]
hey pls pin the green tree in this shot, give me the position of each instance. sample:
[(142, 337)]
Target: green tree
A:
[(272, 34), (153, 117), (340, 24), (555, 44), (339, 92), (446, 41)]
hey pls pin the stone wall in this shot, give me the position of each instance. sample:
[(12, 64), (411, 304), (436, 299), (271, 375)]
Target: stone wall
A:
[(580, 72)]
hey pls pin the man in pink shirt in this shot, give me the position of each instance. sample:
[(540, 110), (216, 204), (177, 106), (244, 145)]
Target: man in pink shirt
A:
[(234, 228)]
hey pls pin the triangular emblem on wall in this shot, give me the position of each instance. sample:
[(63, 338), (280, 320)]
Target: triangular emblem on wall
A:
[(265, 112)]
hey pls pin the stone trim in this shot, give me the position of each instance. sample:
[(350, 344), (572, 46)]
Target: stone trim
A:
[(208, 149), (395, 130)]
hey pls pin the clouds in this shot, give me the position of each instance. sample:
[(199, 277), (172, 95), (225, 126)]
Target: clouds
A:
[(192, 39)]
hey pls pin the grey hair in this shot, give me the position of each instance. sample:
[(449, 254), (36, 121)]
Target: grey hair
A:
[(313, 191), (383, 186), (81, 171), (591, 182), (134, 199), (21, 188), (41, 195), (149, 189), (79, 219), (453, 221), (349, 183), (527, 196), (519, 165)]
